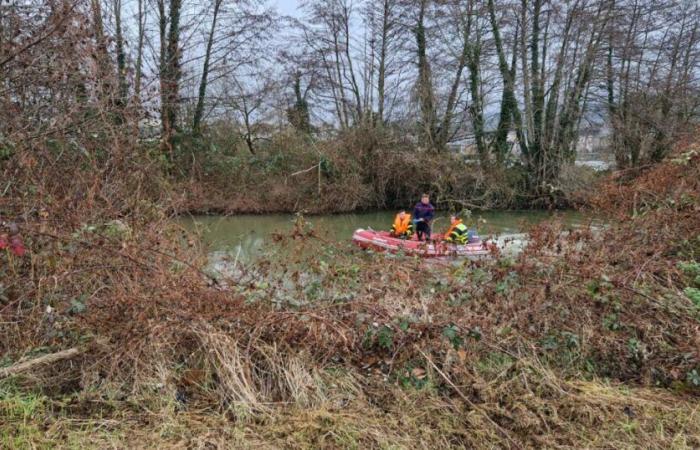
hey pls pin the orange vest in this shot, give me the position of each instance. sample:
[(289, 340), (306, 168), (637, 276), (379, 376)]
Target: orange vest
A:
[(401, 226), (452, 227)]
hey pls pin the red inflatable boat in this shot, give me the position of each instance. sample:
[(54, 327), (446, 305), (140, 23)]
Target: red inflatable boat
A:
[(383, 241)]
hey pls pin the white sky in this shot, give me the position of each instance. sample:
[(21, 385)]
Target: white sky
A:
[(287, 7)]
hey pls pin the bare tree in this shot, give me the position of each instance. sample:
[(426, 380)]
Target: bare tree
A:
[(441, 100), (330, 42), (169, 69), (123, 90), (298, 114), (249, 101), (386, 33), (141, 18), (236, 41), (554, 102), (424, 83), (653, 52), (199, 109)]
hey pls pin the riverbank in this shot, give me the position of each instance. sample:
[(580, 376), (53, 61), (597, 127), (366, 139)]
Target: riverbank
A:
[(205, 198), (353, 172), (583, 340)]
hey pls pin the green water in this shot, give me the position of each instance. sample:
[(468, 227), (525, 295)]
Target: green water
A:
[(244, 236)]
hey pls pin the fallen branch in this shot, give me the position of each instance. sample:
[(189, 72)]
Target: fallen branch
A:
[(40, 361), (305, 170)]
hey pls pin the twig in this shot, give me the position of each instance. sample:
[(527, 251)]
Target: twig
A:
[(176, 259), (653, 300), (40, 361), (87, 244), (40, 39), (125, 255), (235, 262), (7, 188), (305, 170)]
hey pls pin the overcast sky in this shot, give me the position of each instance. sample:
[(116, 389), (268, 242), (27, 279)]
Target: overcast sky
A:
[(287, 7)]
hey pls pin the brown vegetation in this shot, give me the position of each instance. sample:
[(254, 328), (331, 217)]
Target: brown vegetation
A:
[(114, 334), (360, 350), (362, 169)]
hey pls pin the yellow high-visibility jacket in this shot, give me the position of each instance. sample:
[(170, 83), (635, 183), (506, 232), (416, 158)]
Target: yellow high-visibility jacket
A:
[(457, 233)]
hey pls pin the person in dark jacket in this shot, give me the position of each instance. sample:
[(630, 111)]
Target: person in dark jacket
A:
[(423, 214)]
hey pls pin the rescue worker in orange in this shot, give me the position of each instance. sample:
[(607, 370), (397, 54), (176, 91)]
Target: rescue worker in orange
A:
[(458, 232), (403, 226)]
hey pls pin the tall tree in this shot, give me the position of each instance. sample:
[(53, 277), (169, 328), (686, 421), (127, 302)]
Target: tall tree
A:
[(424, 84), (199, 109), (170, 71), (548, 135), (652, 97), (141, 36), (123, 86), (298, 114), (387, 25)]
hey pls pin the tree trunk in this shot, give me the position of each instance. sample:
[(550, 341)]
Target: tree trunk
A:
[(344, 123), (139, 51), (353, 81), (476, 109), (446, 123), (299, 113), (199, 109), (121, 55), (248, 130), (553, 101), (381, 75), (105, 82), (163, 72), (527, 86), (508, 83), (170, 72), (572, 109), (535, 134), (500, 143), (425, 85)]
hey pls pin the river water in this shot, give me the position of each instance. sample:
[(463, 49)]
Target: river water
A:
[(244, 236)]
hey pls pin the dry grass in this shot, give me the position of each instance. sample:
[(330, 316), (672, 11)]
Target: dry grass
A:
[(530, 409)]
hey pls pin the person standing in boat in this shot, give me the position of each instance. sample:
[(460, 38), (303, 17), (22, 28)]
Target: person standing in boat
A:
[(403, 226), (423, 214)]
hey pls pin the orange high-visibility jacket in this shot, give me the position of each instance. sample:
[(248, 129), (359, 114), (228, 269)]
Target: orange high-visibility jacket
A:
[(401, 226)]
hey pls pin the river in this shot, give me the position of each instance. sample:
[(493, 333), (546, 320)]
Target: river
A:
[(244, 236)]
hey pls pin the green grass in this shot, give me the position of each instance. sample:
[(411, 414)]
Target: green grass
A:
[(20, 415)]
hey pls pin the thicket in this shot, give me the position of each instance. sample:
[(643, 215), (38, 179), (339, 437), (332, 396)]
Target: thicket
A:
[(359, 169)]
